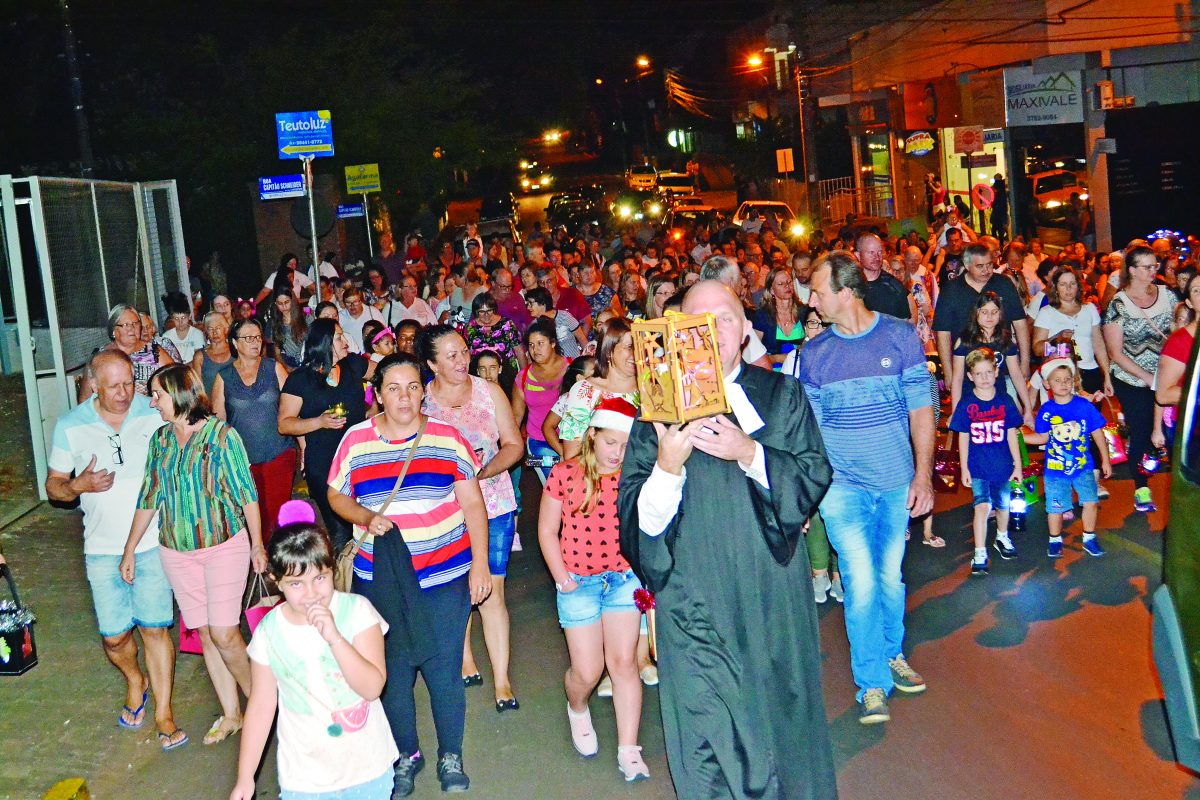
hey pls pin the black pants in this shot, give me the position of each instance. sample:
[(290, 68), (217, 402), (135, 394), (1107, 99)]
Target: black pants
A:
[(1137, 403), (1092, 381), (449, 605), (317, 480)]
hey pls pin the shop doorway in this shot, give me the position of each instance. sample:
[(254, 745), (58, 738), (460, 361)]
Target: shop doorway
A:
[(962, 172)]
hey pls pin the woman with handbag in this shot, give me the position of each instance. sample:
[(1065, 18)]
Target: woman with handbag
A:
[(1136, 325), (410, 482), (198, 481), (481, 413)]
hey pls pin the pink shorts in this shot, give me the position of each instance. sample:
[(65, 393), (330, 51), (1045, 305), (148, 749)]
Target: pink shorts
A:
[(209, 583)]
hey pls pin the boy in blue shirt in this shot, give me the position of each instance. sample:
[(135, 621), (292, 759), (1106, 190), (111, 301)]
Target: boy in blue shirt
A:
[(988, 421), (1064, 424)]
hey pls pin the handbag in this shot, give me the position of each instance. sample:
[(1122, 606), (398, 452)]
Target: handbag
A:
[(189, 639), (1117, 452), (343, 570), (18, 651), (255, 611)]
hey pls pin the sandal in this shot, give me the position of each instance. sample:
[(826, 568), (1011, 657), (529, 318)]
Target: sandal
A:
[(138, 721), (934, 541), (169, 742), (219, 733)]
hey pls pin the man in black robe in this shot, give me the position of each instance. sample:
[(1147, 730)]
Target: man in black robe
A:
[(712, 518)]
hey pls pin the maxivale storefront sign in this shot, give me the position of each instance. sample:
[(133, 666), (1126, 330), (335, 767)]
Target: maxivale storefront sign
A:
[(1041, 99)]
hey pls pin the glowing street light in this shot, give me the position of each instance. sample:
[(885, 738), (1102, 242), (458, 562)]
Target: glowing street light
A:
[(551, 136), (599, 81), (755, 61), (643, 61)]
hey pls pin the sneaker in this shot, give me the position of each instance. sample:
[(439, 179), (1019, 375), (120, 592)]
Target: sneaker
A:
[(406, 774), (583, 733), (629, 761), (873, 708), (821, 586), (979, 567), (835, 589), (1005, 548), (905, 678), (648, 674), (1054, 550), (1092, 547), (605, 687), (516, 545), (450, 773), (1142, 501)]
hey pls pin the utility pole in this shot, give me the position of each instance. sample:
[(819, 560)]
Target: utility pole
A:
[(86, 160)]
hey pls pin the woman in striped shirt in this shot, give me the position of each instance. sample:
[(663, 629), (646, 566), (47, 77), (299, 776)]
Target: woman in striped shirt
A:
[(424, 578)]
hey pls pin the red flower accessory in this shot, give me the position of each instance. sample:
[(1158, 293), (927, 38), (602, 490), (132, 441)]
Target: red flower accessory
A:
[(643, 599)]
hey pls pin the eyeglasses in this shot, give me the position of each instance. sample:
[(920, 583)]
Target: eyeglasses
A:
[(114, 441), (254, 338), (502, 285), (815, 323), (485, 310)]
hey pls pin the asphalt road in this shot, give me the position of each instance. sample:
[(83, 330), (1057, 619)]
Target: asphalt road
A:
[(1040, 685)]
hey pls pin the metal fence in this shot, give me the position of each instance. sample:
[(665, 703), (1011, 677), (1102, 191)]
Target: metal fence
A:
[(839, 197), (73, 249)]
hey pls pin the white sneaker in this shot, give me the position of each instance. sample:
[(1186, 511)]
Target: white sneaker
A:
[(605, 687), (835, 589), (516, 545), (583, 734), (629, 761), (649, 675), (821, 586)]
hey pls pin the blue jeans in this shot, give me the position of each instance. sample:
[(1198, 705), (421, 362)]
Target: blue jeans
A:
[(501, 530), (536, 448), (596, 596), (145, 603), (867, 530)]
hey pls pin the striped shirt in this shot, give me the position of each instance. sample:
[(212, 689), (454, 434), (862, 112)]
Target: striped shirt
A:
[(862, 389), (199, 488), (426, 510)]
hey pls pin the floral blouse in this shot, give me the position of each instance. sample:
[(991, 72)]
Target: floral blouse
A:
[(501, 338), (601, 300), (1145, 329), (580, 402)]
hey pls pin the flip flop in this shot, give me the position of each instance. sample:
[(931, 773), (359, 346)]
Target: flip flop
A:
[(216, 734), (133, 712), (168, 744), (934, 541)]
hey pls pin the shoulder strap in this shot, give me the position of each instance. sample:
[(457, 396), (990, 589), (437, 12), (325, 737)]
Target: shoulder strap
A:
[(412, 452)]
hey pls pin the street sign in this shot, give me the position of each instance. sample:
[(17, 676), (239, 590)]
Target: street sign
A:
[(968, 139), (280, 186), (347, 210), (362, 178), (784, 161), (304, 133), (982, 196)]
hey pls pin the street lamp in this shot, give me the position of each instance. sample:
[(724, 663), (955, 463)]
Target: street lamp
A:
[(643, 62), (754, 61)]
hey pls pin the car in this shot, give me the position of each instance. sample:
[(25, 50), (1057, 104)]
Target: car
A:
[(641, 176), (679, 219), (687, 201), (1175, 607), (499, 207), (572, 213), (537, 179), (1052, 192), (673, 183), (788, 223), (633, 204), (504, 228)]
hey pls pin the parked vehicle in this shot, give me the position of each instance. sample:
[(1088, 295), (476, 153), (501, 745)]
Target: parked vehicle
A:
[(641, 176)]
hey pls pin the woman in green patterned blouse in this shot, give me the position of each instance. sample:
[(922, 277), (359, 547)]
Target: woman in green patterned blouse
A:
[(199, 489)]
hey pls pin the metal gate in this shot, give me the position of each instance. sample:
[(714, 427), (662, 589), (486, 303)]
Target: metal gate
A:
[(72, 250)]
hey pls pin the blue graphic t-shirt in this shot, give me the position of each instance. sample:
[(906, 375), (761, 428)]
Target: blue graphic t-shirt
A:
[(1070, 426), (987, 422)]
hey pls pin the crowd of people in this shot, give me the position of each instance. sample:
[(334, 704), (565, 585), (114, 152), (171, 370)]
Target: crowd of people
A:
[(411, 396)]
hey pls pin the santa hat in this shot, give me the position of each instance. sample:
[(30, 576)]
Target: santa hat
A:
[(1053, 364), (614, 413)]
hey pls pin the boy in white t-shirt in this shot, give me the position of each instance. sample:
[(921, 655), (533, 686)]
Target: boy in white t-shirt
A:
[(318, 657)]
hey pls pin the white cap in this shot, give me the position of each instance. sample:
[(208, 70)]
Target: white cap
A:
[(1048, 367)]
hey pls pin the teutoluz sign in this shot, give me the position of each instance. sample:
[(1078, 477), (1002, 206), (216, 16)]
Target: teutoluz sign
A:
[(1051, 98)]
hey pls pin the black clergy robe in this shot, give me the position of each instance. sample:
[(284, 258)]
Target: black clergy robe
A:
[(738, 649)]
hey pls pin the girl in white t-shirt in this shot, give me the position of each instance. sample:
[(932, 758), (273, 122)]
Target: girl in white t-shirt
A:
[(318, 656)]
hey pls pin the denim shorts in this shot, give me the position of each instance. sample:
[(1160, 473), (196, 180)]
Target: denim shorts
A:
[(500, 539), (996, 493), (377, 789), (1058, 491), (597, 595), (120, 606)]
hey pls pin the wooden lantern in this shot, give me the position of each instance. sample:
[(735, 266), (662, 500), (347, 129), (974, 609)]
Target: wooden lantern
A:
[(678, 369)]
